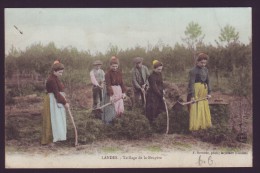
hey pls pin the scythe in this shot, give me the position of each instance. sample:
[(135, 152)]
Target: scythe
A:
[(75, 129), (167, 114), (190, 102), (99, 109)]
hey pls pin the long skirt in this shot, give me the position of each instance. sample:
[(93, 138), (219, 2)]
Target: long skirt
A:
[(46, 137), (54, 120), (154, 106), (108, 112), (113, 110), (200, 117)]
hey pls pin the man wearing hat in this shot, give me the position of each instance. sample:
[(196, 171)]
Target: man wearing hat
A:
[(97, 77), (140, 75)]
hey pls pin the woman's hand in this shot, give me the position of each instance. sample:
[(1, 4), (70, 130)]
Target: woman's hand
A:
[(67, 105), (101, 86), (208, 96), (193, 100), (123, 96), (111, 98)]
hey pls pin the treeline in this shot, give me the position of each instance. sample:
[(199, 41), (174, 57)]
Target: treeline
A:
[(232, 62)]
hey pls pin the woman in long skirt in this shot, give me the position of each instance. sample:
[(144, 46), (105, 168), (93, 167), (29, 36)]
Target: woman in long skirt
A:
[(54, 114), (154, 96), (199, 88), (114, 91)]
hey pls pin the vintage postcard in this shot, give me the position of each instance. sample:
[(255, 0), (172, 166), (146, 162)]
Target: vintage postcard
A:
[(128, 87)]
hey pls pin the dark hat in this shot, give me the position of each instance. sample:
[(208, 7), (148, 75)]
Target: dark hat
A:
[(57, 66), (138, 60), (114, 60), (97, 62)]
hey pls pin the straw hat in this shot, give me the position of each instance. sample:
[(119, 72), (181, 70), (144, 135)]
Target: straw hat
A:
[(157, 63)]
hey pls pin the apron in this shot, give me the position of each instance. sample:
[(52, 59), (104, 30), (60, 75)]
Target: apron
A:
[(200, 117)]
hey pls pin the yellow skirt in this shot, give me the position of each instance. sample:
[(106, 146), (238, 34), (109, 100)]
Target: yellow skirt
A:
[(200, 117), (46, 136)]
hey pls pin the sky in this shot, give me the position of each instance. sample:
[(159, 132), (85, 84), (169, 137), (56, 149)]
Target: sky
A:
[(95, 29)]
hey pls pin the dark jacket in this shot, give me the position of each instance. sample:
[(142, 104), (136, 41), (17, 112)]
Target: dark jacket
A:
[(198, 75), (154, 96), (155, 84), (114, 78), (55, 86)]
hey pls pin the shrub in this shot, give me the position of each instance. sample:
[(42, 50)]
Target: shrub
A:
[(178, 121), (14, 92), (11, 131), (27, 89), (89, 129), (132, 125), (220, 131), (9, 99), (39, 88)]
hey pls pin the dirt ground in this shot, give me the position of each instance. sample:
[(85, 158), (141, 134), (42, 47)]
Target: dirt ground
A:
[(30, 107), (156, 143), (165, 151)]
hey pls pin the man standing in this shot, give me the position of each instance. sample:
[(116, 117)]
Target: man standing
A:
[(140, 82), (97, 77)]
